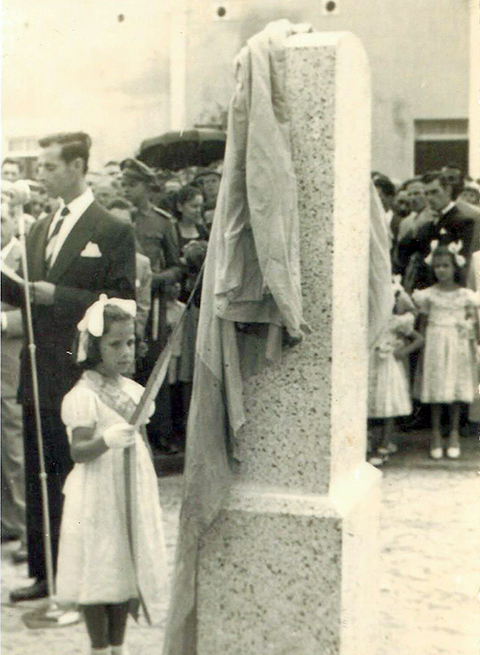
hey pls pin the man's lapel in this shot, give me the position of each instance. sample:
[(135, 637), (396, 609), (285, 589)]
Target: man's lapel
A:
[(36, 250), (74, 244)]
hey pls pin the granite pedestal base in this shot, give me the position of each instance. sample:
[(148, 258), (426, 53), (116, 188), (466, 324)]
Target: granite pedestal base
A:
[(290, 574)]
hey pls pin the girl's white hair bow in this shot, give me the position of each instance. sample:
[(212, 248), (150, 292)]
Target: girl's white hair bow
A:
[(455, 247), (92, 323)]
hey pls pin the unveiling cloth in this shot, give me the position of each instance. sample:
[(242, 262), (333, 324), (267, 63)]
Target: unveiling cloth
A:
[(252, 276), (380, 289)]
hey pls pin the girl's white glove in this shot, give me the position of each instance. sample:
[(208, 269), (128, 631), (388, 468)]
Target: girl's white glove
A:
[(120, 435)]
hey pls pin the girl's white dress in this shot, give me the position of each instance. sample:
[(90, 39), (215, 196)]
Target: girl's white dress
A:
[(94, 562), (388, 386), (448, 371)]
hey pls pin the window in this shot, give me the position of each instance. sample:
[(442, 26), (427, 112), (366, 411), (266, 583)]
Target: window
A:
[(438, 142)]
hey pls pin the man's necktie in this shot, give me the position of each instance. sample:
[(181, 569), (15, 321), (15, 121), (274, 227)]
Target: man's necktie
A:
[(52, 239)]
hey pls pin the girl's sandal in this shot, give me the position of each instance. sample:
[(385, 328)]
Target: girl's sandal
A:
[(436, 453), (376, 460), (389, 449), (453, 452)]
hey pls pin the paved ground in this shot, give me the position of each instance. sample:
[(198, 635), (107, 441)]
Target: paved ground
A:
[(429, 572)]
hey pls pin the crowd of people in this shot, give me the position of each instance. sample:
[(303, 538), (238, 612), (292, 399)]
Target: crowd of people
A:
[(423, 369), (99, 240)]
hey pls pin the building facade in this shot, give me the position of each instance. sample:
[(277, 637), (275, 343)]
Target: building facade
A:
[(419, 57), (132, 69)]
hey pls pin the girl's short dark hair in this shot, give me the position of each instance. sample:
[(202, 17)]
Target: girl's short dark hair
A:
[(111, 314), (443, 251), (185, 194)]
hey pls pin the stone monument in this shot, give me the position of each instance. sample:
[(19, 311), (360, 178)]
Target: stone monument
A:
[(290, 564)]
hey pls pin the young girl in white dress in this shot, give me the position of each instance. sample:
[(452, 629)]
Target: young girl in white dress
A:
[(96, 567), (388, 385), (450, 324)]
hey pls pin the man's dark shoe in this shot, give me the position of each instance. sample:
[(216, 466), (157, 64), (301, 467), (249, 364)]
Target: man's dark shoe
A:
[(38, 589), (20, 556)]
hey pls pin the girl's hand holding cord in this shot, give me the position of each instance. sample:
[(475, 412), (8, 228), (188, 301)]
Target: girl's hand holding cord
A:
[(120, 435)]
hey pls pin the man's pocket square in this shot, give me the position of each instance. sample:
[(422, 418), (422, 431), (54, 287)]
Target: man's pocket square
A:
[(91, 250)]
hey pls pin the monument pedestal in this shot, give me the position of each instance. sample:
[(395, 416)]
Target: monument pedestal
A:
[(288, 574), (290, 565)]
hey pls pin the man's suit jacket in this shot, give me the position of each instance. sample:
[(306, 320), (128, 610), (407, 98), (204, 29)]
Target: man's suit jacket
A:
[(80, 274), (461, 223)]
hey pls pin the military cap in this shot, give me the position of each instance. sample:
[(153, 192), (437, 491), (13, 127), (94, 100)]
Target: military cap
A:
[(135, 169)]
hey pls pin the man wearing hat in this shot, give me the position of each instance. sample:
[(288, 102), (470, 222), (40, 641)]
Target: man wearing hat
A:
[(155, 236)]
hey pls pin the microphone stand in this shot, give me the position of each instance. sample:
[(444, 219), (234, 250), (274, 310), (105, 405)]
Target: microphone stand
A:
[(52, 613)]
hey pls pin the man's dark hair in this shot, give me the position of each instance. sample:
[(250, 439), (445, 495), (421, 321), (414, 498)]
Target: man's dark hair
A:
[(10, 160), (452, 165), (431, 176), (119, 203), (411, 180), (74, 145), (457, 186), (385, 184)]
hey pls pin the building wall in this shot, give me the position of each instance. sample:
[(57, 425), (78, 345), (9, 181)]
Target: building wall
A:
[(95, 65), (418, 51), (103, 65)]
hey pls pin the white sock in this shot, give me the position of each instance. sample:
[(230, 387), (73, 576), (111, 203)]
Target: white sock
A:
[(101, 651), (120, 650)]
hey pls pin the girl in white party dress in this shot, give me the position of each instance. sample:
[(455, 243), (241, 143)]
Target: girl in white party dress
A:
[(388, 385), (111, 554), (450, 324)]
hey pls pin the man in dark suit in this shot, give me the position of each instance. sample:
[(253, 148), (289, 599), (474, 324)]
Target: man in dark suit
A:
[(12, 464), (453, 221), (73, 256)]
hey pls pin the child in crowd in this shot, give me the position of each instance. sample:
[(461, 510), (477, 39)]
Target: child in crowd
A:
[(101, 566), (388, 383), (450, 324)]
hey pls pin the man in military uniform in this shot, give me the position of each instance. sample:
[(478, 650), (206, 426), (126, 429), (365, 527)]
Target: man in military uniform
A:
[(156, 240)]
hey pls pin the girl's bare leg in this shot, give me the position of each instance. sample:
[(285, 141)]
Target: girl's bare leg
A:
[(454, 439), (453, 450), (436, 427)]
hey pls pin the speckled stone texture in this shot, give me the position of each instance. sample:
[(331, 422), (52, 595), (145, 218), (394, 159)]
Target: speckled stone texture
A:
[(289, 564)]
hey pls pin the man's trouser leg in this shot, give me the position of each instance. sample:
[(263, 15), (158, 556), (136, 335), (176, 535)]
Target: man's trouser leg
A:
[(13, 469), (57, 466)]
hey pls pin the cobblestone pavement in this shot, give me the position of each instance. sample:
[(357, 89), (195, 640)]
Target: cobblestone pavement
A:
[(429, 573)]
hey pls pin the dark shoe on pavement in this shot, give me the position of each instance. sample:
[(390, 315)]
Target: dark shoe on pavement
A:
[(20, 556), (38, 589)]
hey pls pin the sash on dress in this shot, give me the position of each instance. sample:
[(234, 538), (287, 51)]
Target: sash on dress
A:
[(120, 402)]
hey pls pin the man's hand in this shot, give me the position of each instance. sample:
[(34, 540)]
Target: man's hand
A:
[(43, 293)]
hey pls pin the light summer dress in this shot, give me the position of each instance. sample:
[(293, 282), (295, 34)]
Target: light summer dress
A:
[(388, 386), (94, 563), (449, 359)]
